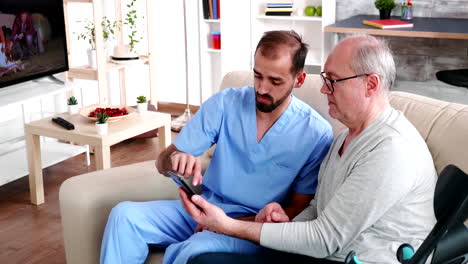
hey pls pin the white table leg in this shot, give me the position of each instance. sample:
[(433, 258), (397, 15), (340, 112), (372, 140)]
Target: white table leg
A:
[(36, 184)]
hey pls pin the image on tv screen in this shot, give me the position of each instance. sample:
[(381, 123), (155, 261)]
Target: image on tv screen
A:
[(32, 40)]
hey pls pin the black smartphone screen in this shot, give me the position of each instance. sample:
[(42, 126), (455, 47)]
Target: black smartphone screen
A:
[(181, 183)]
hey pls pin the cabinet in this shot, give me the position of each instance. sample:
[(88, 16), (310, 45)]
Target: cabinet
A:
[(311, 28), (103, 64), (20, 104)]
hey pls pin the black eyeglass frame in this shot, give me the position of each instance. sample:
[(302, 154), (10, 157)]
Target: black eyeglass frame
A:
[(330, 87)]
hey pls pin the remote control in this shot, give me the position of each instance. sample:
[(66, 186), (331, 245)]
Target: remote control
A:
[(63, 123)]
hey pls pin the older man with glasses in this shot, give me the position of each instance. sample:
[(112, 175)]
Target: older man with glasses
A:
[(376, 184)]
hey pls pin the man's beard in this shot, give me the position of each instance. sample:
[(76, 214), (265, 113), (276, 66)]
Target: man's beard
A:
[(267, 108)]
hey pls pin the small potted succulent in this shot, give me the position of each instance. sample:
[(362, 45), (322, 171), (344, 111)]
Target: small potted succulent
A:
[(385, 7), (101, 123), (72, 104), (142, 104)]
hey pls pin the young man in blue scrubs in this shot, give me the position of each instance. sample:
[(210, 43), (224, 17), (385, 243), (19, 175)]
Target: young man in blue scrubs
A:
[(269, 146)]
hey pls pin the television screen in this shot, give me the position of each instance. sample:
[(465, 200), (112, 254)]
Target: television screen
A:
[(32, 40)]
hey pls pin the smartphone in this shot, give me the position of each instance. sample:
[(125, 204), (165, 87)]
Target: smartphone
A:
[(179, 180)]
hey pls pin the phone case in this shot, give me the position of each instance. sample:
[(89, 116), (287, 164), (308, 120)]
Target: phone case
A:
[(181, 183)]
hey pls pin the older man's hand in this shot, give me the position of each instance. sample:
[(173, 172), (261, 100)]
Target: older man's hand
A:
[(208, 216), (272, 213)]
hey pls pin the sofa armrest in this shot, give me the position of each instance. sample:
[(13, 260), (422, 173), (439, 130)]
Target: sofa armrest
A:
[(86, 201)]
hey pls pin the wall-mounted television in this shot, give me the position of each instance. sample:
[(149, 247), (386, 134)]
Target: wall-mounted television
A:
[(32, 40)]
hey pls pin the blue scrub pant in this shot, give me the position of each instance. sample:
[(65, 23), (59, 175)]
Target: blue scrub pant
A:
[(133, 226)]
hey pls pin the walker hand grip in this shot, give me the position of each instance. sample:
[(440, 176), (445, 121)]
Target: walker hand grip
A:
[(351, 258), (405, 252)]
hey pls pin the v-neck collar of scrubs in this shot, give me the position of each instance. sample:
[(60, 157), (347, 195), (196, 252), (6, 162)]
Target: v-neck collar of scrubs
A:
[(276, 128)]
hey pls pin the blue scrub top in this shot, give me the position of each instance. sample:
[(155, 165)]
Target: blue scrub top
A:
[(244, 175)]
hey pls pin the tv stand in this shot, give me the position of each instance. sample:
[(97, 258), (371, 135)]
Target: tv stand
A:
[(51, 78), (19, 103)]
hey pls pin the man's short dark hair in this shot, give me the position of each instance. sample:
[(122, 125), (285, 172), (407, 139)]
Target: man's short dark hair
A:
[(272, 40)]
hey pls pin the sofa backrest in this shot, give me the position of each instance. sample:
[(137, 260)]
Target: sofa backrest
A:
[(443, 125)]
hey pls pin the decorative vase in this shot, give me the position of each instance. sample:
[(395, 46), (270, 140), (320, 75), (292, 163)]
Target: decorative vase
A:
[(142, 107), (72, 109), (92, 58), (385, 14), (102, 128)]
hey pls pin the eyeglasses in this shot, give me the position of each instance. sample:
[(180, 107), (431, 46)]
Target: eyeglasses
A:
[(330, 83)]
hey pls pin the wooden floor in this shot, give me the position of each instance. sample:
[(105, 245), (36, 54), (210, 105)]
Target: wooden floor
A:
[(33, 234)]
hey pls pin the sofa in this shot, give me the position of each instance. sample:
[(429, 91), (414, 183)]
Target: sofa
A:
[(86, 200)]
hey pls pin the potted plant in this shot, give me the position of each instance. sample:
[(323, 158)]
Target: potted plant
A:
[(101, 123), (128, 51), (72, 105), (385, 7), (108, 30), (142, 104)]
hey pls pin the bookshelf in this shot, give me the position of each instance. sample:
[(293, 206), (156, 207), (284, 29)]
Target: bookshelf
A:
[(234, 55), (210, 58), (311, 28)]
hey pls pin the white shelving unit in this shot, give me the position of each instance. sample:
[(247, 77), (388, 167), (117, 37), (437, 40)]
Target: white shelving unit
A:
[(234, 26), (13, 158), (14, 164), (310, 28), (213, 50), (211, 58), (290, 18)]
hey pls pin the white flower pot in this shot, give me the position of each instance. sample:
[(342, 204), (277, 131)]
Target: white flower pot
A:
[(142, 107), (124, 51), (102, 129), (92, 58), (72, 109)]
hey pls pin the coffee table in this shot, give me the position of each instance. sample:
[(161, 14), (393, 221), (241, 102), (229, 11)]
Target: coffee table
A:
[(85, 134)]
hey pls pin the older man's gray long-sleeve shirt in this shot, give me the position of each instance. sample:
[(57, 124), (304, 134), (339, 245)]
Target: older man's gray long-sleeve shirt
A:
[(376, 196)]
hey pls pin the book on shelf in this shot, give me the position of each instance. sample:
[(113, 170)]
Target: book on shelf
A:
[(211, 9), (277, 13), (279, 5), (215, 9), (388, 23), (210, 6), (280, 2), (206, 9), (278, 10)]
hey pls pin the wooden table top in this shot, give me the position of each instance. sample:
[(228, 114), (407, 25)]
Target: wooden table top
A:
[(424, 27), (85, 129)]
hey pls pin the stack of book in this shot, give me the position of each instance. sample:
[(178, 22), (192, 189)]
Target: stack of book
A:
[(388, 23), (211, 9), (283, 8)]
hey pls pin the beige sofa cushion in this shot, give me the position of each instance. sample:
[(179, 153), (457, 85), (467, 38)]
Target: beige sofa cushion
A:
[(443, 125), (86, 200)]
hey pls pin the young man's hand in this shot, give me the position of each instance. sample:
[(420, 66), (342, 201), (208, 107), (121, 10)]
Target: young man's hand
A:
[(210, 218), (180, 162), (272, 213), (187, 165)]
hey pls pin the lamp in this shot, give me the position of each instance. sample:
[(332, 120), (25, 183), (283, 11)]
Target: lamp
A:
[(178, 123)]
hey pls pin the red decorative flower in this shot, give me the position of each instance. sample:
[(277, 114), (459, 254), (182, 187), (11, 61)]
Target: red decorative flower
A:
[(111, 112)]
